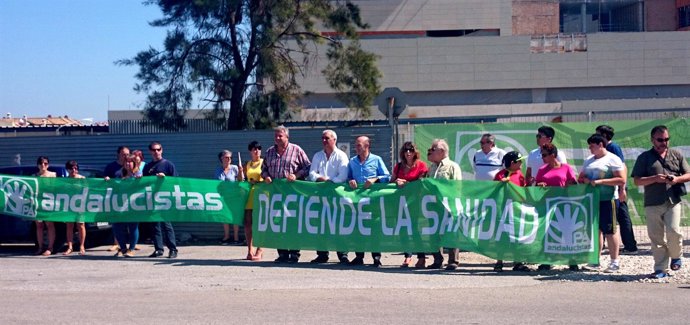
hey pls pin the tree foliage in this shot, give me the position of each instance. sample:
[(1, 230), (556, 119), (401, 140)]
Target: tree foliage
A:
[(217, 50)]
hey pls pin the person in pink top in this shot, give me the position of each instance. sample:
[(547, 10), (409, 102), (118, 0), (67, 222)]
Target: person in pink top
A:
[(409, 169), (554, 173), (512, 172)]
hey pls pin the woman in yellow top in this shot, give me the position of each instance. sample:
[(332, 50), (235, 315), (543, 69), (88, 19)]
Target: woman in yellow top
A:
[(252, 174), (42, 162)]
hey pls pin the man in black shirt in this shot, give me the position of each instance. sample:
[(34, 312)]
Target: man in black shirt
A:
[(161, 167)]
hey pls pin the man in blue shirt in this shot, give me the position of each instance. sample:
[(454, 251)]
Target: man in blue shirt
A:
[(366, 168)]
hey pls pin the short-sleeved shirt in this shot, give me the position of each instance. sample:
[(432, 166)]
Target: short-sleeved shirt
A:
[(230, 175), (446, 169), (535, 161), (486, 165), (293, 161), (556, 176), (615, 149), (515, 177), (417, 171), (603, 168), (649, 163)]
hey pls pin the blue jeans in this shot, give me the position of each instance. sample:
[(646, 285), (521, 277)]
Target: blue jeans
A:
[(126, 233), (164, 231)]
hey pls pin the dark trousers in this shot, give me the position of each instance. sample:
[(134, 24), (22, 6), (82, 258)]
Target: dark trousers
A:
[(627, 234), (374, 255), (324, 254), (420, 256), (288, 252), (164, 232)]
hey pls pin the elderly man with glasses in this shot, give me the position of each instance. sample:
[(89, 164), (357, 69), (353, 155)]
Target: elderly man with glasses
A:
[(488, 160), (443, 168)]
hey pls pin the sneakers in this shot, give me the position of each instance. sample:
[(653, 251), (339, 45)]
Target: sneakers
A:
[(629, 251), (498, 267), (520, 267), (544, 267), (613, 268), (319, 260)]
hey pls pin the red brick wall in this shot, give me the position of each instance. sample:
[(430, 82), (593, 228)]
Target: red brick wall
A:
[(535, 17), (661, 15)]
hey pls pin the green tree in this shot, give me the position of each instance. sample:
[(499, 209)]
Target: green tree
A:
[(218, 49)]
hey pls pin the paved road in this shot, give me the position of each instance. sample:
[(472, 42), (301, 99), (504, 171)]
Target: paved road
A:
[(207, 285)]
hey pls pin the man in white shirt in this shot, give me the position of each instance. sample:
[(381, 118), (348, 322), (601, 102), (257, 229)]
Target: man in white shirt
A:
[(545, 135), (329, 165), (488, 160)]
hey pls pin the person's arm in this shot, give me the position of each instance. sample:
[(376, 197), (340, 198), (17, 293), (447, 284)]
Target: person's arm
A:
[(382, 172), (303, 164), (314, 169), (343, 171)]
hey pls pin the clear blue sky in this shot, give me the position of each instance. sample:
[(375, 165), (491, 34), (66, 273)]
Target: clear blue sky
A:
[(56, 56)]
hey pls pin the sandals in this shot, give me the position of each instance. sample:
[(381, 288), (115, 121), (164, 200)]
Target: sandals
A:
[(47, 252), (68, 251), (676, 263), (82, 252), (114, 248), (406, 262)]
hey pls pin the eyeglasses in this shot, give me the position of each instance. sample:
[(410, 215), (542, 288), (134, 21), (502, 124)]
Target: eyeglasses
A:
[(432, 149), (155, 149), (662, 139)]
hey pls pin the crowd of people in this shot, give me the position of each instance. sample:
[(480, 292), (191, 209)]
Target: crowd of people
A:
[(660, 170)]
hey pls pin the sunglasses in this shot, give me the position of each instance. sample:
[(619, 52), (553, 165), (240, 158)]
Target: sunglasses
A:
[(408, 150), (256, 148), (433, 149), (155, 149), (662, 139)]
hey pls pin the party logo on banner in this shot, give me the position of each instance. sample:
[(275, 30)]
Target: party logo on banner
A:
[(19, 196), (567, 222)]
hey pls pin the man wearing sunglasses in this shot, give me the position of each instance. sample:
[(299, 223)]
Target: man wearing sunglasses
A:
[(163, 231), (663, 171), (545, 135)]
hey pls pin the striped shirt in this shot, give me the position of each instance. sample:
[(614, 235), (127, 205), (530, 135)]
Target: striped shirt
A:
[(293, 161)]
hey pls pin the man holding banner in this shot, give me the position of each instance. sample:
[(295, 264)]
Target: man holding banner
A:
[(663, 171), (329, 165), (366, 168), (288, 161), (443, 168), (161, 167)]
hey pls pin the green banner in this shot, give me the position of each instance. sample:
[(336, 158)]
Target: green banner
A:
[(499, 220), (146, 199), (571, 138)]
